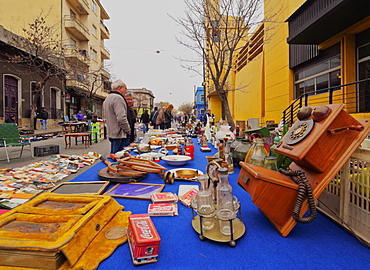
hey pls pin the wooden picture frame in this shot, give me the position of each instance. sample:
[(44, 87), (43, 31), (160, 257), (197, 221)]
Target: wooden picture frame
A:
[(88, 187), (141, 191)]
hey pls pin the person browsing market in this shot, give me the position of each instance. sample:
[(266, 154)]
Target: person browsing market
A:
[(115, 111)]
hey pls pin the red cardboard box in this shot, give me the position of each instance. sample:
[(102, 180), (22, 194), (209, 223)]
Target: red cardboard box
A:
[(163, 197), (162, 209), (143, 239)]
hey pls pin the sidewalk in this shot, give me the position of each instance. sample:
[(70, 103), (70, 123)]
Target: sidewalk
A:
[(102, 147)]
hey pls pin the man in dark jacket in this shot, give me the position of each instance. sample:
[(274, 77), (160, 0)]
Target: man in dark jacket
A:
[(88, 118), (145, 119), (153, 118), (44, 115), (168, 116), (131, 115)]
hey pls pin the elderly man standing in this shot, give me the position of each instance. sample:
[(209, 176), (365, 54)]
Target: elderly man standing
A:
[(115, 111)]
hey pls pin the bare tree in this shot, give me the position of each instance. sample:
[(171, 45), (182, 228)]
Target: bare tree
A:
[(186, 108), (88, 82), (40, 54), (217, 30), (162, 104)]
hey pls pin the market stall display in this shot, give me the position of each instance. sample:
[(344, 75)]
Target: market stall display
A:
[(18, 185)]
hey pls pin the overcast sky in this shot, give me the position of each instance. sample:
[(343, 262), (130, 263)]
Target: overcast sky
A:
[(138, 29)]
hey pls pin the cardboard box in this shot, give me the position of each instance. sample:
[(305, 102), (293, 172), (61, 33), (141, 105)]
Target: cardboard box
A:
[(163, 197), (162, 209), (186, 198)]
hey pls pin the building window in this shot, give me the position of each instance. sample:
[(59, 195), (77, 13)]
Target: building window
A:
[(201, 98), (317, 79), (363, 73), (73, 44), (94, 30), (93, 6), (94, 55)]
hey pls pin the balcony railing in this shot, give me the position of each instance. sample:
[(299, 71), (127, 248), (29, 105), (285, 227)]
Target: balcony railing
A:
[(82, 6), (104, 51), (355, 96), (75, 26), (104, 31), (71, 51)]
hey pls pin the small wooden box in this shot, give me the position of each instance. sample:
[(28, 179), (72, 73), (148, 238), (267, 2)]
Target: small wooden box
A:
[(274, 193)]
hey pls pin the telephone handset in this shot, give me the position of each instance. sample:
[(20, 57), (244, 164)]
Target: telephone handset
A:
[(307, 116)]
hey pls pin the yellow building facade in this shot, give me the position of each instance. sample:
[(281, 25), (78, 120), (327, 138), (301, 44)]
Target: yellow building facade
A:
[(79, 25), (302, 50)]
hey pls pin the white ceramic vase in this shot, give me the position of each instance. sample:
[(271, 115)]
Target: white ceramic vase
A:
[(224, 132)]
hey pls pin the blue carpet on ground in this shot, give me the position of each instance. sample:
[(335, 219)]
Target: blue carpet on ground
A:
[(321, 244)]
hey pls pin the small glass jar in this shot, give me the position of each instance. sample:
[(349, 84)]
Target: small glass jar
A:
[(234, 144), (241, 150), (270, 163)]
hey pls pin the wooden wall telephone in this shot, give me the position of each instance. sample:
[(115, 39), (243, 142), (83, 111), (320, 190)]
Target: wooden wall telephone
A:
[(319, 143)]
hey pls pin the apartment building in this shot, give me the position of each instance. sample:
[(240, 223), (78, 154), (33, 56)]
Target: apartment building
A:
[(79, 25), (143, 100)]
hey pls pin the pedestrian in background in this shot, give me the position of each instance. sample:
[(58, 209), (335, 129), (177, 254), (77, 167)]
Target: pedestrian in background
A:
[(44, 115), (160, 118), (168, 116), (36, 114), (10, 119), (80, 116), (131, 115), (115, 113), (153, 118), (88, 118), (145, 119)]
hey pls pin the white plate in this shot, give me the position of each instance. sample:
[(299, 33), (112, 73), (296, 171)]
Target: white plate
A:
[(176, 160)]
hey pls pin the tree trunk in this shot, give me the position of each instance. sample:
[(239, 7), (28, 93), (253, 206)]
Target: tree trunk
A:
[(226, 109)]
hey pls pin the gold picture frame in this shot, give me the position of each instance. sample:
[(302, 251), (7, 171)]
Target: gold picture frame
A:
[(88, 187)]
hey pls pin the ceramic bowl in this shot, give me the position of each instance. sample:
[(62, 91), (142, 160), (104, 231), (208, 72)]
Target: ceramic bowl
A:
[(176, 160)]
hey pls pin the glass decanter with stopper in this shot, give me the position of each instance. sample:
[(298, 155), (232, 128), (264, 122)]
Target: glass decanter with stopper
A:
[(205, 206), (225, 205), (259, 153)]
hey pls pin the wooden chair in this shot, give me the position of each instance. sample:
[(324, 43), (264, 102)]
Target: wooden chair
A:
[(10, 138)]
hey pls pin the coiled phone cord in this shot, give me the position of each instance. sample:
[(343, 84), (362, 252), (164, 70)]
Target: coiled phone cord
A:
[(304, 188)]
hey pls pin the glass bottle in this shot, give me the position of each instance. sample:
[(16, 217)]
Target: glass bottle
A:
[(258, 153), (179, 149), (221, 149), (276, 141), (204, 203), (234, 144), (241, 150), (225, 206), (228, 158)]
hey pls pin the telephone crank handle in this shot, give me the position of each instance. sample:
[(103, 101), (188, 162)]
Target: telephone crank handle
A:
[(352, 127)]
